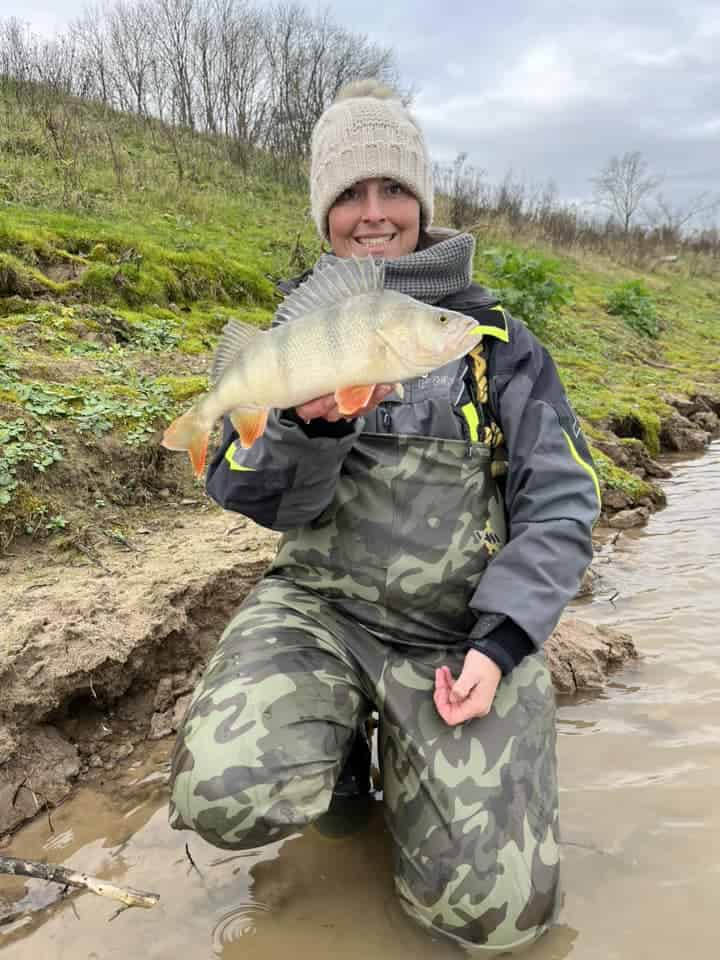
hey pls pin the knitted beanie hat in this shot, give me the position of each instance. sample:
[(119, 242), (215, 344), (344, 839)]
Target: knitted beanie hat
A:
[(367, 132)]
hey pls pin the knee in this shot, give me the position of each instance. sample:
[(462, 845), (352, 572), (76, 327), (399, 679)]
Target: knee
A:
[(503, 912), (234, 821), (240, 805)]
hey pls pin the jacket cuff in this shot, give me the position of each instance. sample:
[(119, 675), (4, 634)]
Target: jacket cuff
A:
[(320, 427), (506, 645)]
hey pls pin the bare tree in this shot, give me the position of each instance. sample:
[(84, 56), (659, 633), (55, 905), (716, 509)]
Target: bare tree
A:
[(464, 187), (91, 39), (243, 89), (206, 46), (308, 60), (622, 186), (131, 45), (510, 199), (56, 64), (18, 51), (675, 219), (172, 36)]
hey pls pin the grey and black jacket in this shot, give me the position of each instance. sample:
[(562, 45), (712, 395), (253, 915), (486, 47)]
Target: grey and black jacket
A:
[(552, 497)]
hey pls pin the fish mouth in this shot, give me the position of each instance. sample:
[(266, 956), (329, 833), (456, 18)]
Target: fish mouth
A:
[(471, 337)]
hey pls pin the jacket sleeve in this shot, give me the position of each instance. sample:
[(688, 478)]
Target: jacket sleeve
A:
[(552, 494), (288, 477)]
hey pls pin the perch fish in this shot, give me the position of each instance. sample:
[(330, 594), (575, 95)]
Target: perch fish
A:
[(345, 334)]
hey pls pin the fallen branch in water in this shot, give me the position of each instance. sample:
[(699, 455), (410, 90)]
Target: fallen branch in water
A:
[(16, 867)]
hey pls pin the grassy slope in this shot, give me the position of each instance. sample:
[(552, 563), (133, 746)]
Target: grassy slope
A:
[(116, 277)]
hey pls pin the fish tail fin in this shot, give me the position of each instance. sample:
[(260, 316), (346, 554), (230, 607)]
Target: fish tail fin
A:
[(189, 433)]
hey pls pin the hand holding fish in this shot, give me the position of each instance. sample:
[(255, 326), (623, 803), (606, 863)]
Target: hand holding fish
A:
[(327, 407), (472, 694)]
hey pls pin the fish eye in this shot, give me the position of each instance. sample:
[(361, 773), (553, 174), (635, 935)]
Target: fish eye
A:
[(442, 318)]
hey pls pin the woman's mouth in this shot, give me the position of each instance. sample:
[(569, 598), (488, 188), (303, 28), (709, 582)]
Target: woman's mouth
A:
[(371, 243)]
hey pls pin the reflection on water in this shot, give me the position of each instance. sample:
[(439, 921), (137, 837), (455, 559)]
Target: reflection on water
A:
[(640, 776)]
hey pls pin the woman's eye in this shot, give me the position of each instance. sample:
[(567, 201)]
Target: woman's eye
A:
[(346, 195), (395, 188)]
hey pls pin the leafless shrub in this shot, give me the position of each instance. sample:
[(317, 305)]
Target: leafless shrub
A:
[(622, 186), (464, 189)]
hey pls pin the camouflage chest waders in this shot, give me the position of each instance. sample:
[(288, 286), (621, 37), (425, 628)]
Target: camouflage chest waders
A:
[(356, 613)]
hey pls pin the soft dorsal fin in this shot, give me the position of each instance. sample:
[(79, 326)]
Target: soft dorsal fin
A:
[(332, 283), (235, 337)]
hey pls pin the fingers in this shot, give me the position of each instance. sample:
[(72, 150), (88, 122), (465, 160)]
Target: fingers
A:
[(320, 407), (471, 695), (443, 683), (450, 710), (441, 694), (462, 689), (458, 713), (476, 705), (326, 407)]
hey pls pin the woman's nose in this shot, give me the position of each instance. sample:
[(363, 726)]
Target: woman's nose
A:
[(373, 206)]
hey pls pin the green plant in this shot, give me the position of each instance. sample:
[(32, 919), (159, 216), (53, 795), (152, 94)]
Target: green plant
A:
[(526, 286), (56, 522), (156, 335), (98, 414), (634, 303), (47, 400), (9, 366), (21, 446)]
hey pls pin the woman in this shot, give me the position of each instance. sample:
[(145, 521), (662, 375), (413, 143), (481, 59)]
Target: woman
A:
[(398, 586)]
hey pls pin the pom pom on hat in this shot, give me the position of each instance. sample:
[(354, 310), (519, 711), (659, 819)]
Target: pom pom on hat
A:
[(366, 88)]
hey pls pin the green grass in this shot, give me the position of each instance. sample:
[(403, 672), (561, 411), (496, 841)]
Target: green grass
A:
[(119, 267), (611, 371)]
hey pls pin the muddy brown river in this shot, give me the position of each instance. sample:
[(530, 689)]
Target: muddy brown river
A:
[(640, 780)]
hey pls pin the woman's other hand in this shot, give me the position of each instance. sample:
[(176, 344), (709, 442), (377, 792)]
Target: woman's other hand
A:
[(327, 408), (472, 694)]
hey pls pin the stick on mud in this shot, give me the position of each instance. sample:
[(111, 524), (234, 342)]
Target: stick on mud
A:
[(16, 867)]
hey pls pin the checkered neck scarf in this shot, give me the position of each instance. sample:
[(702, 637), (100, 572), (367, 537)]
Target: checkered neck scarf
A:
[(431, 274)]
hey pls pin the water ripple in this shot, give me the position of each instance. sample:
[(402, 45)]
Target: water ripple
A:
[(237, 923)]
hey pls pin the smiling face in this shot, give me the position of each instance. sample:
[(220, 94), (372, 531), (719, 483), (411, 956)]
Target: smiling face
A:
[(374, 216)]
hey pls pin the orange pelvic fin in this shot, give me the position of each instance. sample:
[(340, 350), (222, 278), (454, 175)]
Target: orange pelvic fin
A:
[(250, 424), (188, 433), (352, 399)]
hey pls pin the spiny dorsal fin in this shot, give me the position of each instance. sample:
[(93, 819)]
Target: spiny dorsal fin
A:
[(332, 283), (235, 337)]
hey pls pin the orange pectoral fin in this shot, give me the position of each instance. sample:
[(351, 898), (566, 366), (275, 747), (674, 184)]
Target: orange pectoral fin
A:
[(250, 424), (352, 399)]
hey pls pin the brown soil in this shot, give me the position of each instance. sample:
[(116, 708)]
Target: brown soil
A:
[(103, 641), (98, 641)]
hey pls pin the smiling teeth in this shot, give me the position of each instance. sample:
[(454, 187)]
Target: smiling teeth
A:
[(375, 241)]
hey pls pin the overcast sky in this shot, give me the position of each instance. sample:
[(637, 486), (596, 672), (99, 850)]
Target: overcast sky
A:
[(549, 89)]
